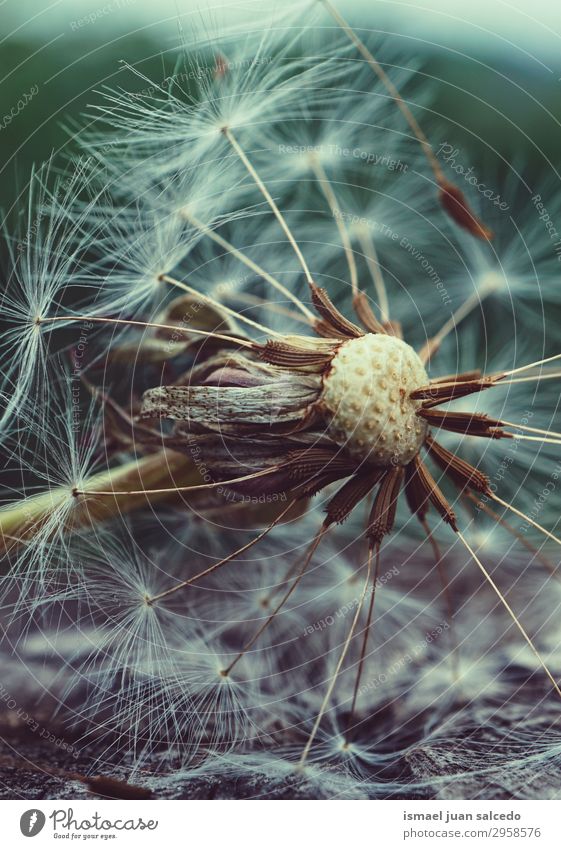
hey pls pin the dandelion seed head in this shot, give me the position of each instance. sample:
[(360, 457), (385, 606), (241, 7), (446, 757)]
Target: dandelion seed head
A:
[(56, 457), (491, 281), (485, 538), (367, 395), (46, 260), (182, 125)]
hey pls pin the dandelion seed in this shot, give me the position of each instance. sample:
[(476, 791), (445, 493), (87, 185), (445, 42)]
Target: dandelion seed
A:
[(48, 258)]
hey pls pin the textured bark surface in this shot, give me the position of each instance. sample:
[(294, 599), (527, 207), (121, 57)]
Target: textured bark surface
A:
[(482, 757)]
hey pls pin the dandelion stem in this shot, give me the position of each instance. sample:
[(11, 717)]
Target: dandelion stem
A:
[(347, 643), (511, 613), (219, 240), (265, 192), (21, 521)]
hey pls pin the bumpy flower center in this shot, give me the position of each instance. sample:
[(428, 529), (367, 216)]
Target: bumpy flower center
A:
[(367, 402)]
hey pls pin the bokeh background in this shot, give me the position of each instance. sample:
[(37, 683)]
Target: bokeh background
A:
[(496, 67)]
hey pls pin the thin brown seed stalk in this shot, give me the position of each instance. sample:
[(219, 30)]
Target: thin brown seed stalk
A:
[(511, 613), (366, 315), (331, 687), (282, 602), (210, 485), (331, 199), (166, 278), (244, 343), (526, 518), (451, 198), (371, 256), (432, 492), (351, 493), (247, 261), (381, 74), (224, 560), (440, 392), (383, 512), (329, 312), (432, 345), (551, 568), (367, 632), (266, 194), (460, 471), (282, 354), (475, 424)]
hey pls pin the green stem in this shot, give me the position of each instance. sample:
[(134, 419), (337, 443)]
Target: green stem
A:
[(19, 522)]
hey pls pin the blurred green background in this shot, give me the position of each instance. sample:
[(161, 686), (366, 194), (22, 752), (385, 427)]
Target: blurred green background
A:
[(496, 69)]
